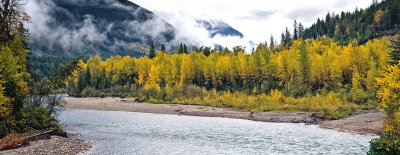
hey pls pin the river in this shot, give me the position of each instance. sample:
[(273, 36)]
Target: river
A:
[(117, 132)]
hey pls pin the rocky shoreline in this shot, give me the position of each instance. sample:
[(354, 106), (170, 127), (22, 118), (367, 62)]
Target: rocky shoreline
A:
[(370, 122), (54, 145)]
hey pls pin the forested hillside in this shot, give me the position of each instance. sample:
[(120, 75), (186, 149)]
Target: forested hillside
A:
[(87, 28), (379, 19)]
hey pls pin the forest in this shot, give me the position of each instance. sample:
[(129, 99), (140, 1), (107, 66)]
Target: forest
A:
[(313, 75), (341, 65), (379, 19)]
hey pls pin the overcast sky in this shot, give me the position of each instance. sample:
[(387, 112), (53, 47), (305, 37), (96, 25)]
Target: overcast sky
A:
[(256, 19)]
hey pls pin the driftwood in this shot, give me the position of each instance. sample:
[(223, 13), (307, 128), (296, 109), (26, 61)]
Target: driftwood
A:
[(39, 136)]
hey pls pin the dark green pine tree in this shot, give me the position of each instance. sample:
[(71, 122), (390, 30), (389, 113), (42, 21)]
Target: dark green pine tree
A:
[(300, 31), (180, 51), (304, 64), (163, 48), (87, 76), (395, 54), (152, 53), (272, 44), (207, 51), (295, 30), (288, 37), (185, 50), (82, 83)]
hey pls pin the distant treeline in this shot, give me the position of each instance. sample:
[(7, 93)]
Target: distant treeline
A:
[(378, 20)]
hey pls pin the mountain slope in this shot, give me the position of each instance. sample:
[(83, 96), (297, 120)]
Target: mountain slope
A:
[(377, 20), (88, 27), (218, 27)]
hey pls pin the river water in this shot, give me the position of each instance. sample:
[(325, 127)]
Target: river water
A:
[(117, 132)]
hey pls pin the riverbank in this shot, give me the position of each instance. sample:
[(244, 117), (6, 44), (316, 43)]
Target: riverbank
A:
[(54, 145), (364, 123)]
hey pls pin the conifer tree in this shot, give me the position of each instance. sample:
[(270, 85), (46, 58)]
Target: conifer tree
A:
[(304, 64), (185, 50), (295, 32), (180, 50), (272, 44), (395, 54), (163, 48), (152, 53)]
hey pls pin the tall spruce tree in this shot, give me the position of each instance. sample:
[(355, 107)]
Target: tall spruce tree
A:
[(272, 44), (395, 54), (304, 64), (152, 53), (163, 48), (295, 30), (300, 31), (185, 50), (180, 50), (288, 37)]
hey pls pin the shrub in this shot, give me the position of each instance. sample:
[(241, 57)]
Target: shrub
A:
[(296, 90), (12, 141), (151, 91), (358, 96), (59, 131), (38, 117), (385, 145)]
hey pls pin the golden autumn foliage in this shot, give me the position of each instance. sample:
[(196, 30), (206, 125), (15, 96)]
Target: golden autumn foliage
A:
[(389, 97), (311, 75)]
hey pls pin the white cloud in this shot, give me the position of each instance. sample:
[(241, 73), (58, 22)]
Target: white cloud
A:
[(256, 19), (42, 29)]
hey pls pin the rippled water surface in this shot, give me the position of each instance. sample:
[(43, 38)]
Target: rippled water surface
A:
[(116, 132)]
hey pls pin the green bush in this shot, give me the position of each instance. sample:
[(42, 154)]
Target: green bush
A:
[(4, 129), (296, 90), (38, 117), (385, 145), (358, 96)]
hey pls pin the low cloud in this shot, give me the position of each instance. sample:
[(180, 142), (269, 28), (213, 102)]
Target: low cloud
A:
[(43, 29), (193, 33), (257, 15), (88, 33), (307, 14)]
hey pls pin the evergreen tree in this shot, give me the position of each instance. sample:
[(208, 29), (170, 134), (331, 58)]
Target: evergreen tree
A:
[(185, 50), (152, 53), (180, 50), (272, 44), (87, 77), (395, 54), (300, 31), (163, 48), (304, 64), (81, 83), (295, 30), (207, 51), (288, 37)]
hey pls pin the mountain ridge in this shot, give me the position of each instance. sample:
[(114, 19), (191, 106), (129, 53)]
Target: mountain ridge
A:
[(70, 28)]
